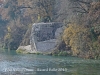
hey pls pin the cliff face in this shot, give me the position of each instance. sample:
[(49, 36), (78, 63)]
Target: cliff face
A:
[(45, 36)]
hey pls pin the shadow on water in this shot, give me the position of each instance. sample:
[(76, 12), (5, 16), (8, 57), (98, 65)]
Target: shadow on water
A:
[(12, 63)]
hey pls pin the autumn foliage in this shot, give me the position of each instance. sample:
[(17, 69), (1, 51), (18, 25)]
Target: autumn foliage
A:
[(81, 36), (85, 40)]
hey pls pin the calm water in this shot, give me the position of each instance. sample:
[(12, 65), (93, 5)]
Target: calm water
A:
[(29, 64)]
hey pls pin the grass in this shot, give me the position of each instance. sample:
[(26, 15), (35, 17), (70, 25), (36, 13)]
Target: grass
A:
[(21, 51)]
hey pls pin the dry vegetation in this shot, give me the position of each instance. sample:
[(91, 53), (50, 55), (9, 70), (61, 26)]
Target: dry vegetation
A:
[(81, 36), (84, 39)]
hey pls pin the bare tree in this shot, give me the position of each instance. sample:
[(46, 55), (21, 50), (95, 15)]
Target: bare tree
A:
[(81, 6), (45, 9)]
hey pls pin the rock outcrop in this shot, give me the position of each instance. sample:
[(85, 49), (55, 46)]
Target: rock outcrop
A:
[(24, 49), (45, 36)]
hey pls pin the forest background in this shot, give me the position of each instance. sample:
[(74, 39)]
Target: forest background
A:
[(81, 18)]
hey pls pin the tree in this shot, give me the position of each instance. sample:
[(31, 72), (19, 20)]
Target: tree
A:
[(18, 24), (45, 9), (81, 6)]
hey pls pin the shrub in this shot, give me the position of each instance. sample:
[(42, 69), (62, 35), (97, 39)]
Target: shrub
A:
[(82, 41), (63, 53)]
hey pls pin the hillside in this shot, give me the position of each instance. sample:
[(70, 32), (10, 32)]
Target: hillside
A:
[(81, 18)]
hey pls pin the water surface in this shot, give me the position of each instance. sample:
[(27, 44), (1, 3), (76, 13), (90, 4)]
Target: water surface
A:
[(12, 63)]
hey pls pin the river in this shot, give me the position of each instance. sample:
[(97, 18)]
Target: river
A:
[(12, 63)]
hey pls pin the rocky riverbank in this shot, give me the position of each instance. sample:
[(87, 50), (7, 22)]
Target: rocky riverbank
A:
[(24, 49)]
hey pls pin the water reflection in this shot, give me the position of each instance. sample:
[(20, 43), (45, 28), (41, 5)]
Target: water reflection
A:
[(29, 64)]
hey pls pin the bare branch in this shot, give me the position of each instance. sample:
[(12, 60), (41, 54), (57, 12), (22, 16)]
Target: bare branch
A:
[(21, 7), (79, 11), (83, 8)]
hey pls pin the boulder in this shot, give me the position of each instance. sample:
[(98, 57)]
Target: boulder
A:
[(24, 49)]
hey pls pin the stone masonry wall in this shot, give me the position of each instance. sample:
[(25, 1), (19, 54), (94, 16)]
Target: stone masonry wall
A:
[(45, 36)]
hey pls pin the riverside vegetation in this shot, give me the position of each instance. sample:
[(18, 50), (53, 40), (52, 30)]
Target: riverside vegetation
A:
[(81, 36)]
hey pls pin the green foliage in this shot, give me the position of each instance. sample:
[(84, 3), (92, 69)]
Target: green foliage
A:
[(38, 53), (46, 19), (94, 36), (62, 53), (20, 51)]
